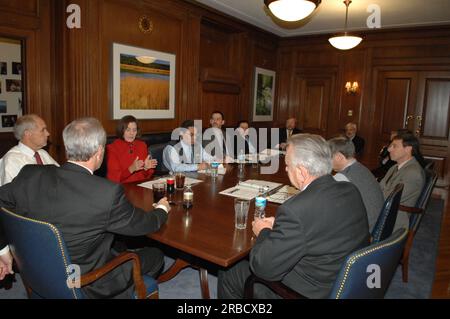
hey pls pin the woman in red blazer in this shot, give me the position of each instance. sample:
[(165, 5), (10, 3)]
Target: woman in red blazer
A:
[(127, 157)]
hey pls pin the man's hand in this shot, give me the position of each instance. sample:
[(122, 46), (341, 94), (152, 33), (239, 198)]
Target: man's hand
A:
[(6, 262), (163, 201), (260, 223), (202, 166), (150, 163), (137, 165)]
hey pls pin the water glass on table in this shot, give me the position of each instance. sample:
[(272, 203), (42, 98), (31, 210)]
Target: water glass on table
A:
[(241, 207)]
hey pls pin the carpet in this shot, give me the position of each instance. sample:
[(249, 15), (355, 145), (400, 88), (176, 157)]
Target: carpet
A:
[(186, 285)]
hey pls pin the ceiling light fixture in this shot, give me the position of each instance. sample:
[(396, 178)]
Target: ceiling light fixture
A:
[(345, 42), (292, 10)]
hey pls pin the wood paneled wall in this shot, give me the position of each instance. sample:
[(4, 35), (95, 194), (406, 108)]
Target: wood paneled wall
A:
[(400, 73)]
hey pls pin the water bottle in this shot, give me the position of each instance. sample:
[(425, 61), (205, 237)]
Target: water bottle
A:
[(260, 203), (214, 169), (241, 157)]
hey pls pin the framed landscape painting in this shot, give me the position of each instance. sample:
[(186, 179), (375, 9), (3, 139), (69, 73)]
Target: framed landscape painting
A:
[(143, 83), (264, 94)]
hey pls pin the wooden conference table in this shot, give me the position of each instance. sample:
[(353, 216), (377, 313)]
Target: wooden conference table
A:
[(207, 232)]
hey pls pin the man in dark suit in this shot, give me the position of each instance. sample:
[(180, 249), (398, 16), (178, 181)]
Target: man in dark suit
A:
[(350, 132), (5, 257), (87, 209), (245, 139), (288, 131), (306, 243)]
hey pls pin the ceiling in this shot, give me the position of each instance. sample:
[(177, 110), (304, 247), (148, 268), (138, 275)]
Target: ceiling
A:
[(330, 15)]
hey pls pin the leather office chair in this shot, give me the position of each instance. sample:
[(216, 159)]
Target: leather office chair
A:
[(386, 220), (42, 260), (352, 280), (416, 214)]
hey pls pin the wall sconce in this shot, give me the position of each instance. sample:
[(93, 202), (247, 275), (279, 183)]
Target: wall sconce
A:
[(351, 88)]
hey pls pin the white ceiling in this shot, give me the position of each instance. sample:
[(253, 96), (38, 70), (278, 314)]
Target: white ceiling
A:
[(330, 15)]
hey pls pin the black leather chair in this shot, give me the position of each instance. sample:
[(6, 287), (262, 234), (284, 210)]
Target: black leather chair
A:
[(386, 221), (351, 281), (43, 261), (416, 214)]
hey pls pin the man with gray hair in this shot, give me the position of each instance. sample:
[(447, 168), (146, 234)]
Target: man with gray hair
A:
[(87, 209), (31, 132), (350, 170), (312, 233)]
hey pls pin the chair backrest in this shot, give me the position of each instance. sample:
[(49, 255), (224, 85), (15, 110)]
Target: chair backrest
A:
[(429, 165), (424, 197), (156, 152), (41, 256), (386, 220), (367, 273)]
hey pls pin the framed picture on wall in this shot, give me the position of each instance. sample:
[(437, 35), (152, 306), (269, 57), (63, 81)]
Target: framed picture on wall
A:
[(264, 93), (143, 83)]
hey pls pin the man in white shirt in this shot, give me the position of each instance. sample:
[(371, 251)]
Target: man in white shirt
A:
[(186, 155), (31, 132), (215, 141)]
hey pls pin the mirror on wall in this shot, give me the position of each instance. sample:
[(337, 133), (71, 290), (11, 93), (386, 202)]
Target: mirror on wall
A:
[(11, 83)]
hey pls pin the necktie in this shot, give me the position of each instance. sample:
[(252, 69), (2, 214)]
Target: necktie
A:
[(289, 132), (38, 158), (192, 154)]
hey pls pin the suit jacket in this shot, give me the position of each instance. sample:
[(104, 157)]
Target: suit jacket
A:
[(359, 144), (3, 241), (211, 143), (87, 210), (283, 134), (241, 143), (369, 188), (413, 178), (313, 233)]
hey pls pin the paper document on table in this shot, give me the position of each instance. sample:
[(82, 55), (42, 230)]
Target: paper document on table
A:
[(283, 194), (187, 181), (249, 189)]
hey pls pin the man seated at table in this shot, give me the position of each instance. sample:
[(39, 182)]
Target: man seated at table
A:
[(186, 155), (403, 149), (350, 170), (31, 132), (288, 131), (306, 243), (350, 132), (244, 140), (216, 141), (87, 209)]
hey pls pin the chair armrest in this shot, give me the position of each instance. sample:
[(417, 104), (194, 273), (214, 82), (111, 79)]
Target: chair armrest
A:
[(277, 286), (117, 261), (413, 210)]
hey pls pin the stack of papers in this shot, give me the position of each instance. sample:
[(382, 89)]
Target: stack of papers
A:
[(283, 194), (249, 189), (187, 181)]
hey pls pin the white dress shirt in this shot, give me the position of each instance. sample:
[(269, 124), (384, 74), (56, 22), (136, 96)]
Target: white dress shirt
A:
[(175, 163), (17, 157)]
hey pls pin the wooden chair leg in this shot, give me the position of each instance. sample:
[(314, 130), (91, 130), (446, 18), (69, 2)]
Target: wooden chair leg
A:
[(405, 257)]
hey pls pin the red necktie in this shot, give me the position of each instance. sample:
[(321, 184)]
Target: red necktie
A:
[(38, 158)]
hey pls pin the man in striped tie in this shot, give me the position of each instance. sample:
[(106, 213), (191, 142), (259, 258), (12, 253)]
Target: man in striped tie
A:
[(31, 132)]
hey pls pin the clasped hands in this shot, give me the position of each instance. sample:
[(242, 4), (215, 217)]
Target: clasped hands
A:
[(138, 164), (260, 223)]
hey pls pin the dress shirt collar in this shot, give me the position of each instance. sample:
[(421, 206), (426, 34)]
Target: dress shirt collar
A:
[(88, 169), (350, 163), (25, 149)]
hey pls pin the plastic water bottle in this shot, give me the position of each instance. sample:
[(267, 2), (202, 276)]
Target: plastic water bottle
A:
[(260, 204), (241, 157)]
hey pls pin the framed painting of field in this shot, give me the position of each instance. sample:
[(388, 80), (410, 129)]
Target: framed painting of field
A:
[(264, 93), (143, 83)]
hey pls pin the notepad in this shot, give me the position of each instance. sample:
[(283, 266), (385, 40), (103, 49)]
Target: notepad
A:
[(283, 194), (249, 189)]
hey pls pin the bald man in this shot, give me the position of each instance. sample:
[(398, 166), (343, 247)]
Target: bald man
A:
[(31, 132)]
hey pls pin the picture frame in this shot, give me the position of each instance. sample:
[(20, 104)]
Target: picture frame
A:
[(264, 95), (143, 83)]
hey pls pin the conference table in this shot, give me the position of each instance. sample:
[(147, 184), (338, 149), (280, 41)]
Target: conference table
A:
[(206, 232)]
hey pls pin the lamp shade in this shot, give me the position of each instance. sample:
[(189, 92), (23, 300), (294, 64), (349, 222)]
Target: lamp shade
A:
[(291, 10), (345, 42), (145, 59)]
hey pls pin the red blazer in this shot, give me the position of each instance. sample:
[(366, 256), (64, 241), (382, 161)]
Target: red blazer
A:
[(120, 154)]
